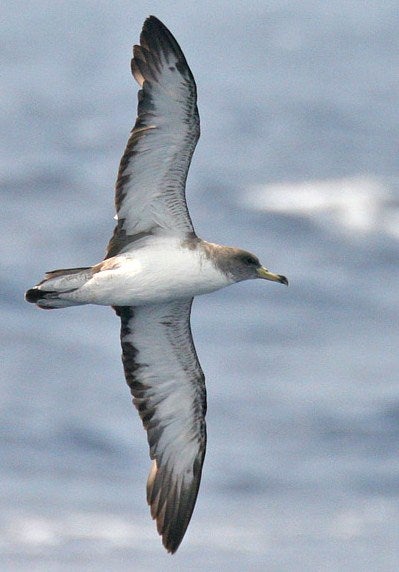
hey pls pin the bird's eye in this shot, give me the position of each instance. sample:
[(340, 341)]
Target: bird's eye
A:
[(251, 261)]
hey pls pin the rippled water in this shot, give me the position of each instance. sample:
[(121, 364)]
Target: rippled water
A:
[(298, 163)]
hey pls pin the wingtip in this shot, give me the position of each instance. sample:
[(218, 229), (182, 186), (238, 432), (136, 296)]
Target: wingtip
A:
[(151, 19), (172, 505), (155, 33), (152, 24), (170, 549)]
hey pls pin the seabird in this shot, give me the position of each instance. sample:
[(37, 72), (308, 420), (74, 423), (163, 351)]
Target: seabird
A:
[(154, 266)]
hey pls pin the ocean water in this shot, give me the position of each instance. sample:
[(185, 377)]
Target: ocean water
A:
[(298, 162)]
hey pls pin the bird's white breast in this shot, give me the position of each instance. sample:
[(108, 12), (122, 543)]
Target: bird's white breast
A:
[(162, 270)]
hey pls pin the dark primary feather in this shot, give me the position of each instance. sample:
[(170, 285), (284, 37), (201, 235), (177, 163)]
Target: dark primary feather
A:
[(168, 388), (150, 188)]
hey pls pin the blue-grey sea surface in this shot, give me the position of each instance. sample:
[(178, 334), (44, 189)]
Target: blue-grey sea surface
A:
[(298, 162)]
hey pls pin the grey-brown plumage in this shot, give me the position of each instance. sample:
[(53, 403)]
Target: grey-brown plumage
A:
[(154, 266), (167, 129), (168, 388), (171, 498)]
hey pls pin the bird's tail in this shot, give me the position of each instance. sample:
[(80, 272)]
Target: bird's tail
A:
[(48, 294)]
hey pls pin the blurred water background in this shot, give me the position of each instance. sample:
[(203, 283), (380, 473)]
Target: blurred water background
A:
[(298, 162)]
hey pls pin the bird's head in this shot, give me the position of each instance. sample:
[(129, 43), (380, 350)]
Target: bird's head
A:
[(246, 266)]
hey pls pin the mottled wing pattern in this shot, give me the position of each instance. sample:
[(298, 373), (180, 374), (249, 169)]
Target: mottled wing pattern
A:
[(150, 188), (168, 388)]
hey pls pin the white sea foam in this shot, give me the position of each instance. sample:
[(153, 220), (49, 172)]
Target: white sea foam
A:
[(357, 205), (29, 532)]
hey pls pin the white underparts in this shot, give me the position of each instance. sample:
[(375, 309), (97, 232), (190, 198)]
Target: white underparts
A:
[(160, 272)]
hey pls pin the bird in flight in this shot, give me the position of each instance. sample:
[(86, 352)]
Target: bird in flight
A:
[(154, 266)]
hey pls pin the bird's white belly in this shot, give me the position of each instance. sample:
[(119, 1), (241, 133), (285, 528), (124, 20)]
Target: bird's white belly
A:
[(152, 276)]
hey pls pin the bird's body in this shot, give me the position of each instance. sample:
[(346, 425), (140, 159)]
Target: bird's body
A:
[(154, 266), (162, 270)]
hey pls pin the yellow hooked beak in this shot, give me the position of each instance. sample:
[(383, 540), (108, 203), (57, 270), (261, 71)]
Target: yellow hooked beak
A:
[(267, 275)]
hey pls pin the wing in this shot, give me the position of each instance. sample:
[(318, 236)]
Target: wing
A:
[(150, 188), (168, 388)]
